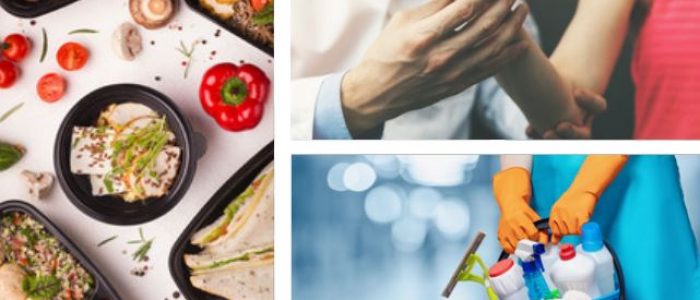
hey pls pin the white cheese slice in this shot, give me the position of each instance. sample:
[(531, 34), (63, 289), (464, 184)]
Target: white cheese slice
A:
[(91, 150)]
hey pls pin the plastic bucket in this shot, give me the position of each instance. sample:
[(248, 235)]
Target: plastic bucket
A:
[(619, 294)]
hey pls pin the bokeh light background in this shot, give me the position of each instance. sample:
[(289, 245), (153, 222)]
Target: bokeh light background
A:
[(395, 227)]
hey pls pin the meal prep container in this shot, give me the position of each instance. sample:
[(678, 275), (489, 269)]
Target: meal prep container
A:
[(619, 294), (113, 209), (209, 213), (194, 4), (102, 289), (28, 9)]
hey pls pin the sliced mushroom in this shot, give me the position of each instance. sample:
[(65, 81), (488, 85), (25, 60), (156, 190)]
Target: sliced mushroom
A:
[(153, 14), (127, 41), (39, 184)]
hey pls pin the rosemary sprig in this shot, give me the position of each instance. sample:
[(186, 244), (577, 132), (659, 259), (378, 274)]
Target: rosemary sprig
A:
[(187, 53), (11, 111), (83, 30), (141, 253), (107, 240)]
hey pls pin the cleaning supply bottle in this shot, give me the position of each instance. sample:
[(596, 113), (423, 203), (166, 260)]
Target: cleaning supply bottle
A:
[(506, 279), (593, 247), (528, 253), (551, 255), (574, 272)]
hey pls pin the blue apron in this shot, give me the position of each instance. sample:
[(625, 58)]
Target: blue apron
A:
[(643, 217)]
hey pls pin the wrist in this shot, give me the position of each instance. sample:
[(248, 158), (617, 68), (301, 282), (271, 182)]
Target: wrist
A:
[(361, 110)]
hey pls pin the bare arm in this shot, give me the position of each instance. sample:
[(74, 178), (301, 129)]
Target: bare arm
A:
[(522, 161), (584, 58)]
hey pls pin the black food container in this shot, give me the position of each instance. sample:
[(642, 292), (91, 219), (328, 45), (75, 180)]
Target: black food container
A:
[(211, 211), (102, 289), (111, 209)]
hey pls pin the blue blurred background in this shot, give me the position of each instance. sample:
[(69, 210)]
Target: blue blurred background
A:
[(395, 227)]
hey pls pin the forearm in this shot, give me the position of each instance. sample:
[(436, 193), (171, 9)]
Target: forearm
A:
[(542, 94), (516, 161), (597, 172)]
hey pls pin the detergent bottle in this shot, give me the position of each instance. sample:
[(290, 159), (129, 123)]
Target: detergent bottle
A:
[(506, 279), (551, 255), (593, 247), (574, 272)]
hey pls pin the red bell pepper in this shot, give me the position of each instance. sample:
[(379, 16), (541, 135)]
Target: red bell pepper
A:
[(235, 95)]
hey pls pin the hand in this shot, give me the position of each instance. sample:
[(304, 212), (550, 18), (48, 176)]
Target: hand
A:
[(573, 209), (591, 103), (419, 58), (512, 190), (516, 224)]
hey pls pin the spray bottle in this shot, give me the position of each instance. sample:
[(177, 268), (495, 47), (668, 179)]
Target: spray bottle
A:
[(529, 255)]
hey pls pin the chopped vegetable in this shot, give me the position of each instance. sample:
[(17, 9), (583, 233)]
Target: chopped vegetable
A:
[(72, 56), (51, 273), (51, 87)]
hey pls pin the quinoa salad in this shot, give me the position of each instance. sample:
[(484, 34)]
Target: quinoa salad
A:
[(47, 270)]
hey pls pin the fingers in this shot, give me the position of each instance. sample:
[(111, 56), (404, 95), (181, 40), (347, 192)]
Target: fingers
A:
[(531, 133), (591, 102), (568, 130), (428, 9), (556, 230), (451, 16), (483, 26), (542, 237), (497, 51)]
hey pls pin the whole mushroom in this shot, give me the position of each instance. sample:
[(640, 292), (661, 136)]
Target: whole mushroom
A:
[(153, 14), (127, 41), (39, 184)]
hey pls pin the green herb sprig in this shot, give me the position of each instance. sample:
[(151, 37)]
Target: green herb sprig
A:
[(83, 30), (41, 287), (11, 111), (187, 53), (45, 45), (107, 240), (141, 254)]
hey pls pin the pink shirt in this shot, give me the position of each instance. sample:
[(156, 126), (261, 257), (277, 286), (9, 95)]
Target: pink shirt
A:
[(666, 72)]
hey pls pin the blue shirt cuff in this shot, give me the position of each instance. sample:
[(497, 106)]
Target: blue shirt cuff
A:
[(329, 120)]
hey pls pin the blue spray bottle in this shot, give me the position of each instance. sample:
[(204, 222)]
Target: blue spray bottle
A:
[(528, 253)]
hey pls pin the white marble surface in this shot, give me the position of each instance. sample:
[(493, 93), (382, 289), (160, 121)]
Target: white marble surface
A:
[(36, 124)]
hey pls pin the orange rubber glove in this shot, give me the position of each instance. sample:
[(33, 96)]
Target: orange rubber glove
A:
[(575, 207), (512, 190)]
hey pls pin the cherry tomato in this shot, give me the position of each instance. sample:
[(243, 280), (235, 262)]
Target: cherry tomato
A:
[(8, 74), (51, 87), (258, 5), (15, 47), (72, 56)]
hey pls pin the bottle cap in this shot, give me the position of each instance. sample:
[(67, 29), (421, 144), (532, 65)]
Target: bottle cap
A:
[(567, 252), (592, 238), (501, 267)]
